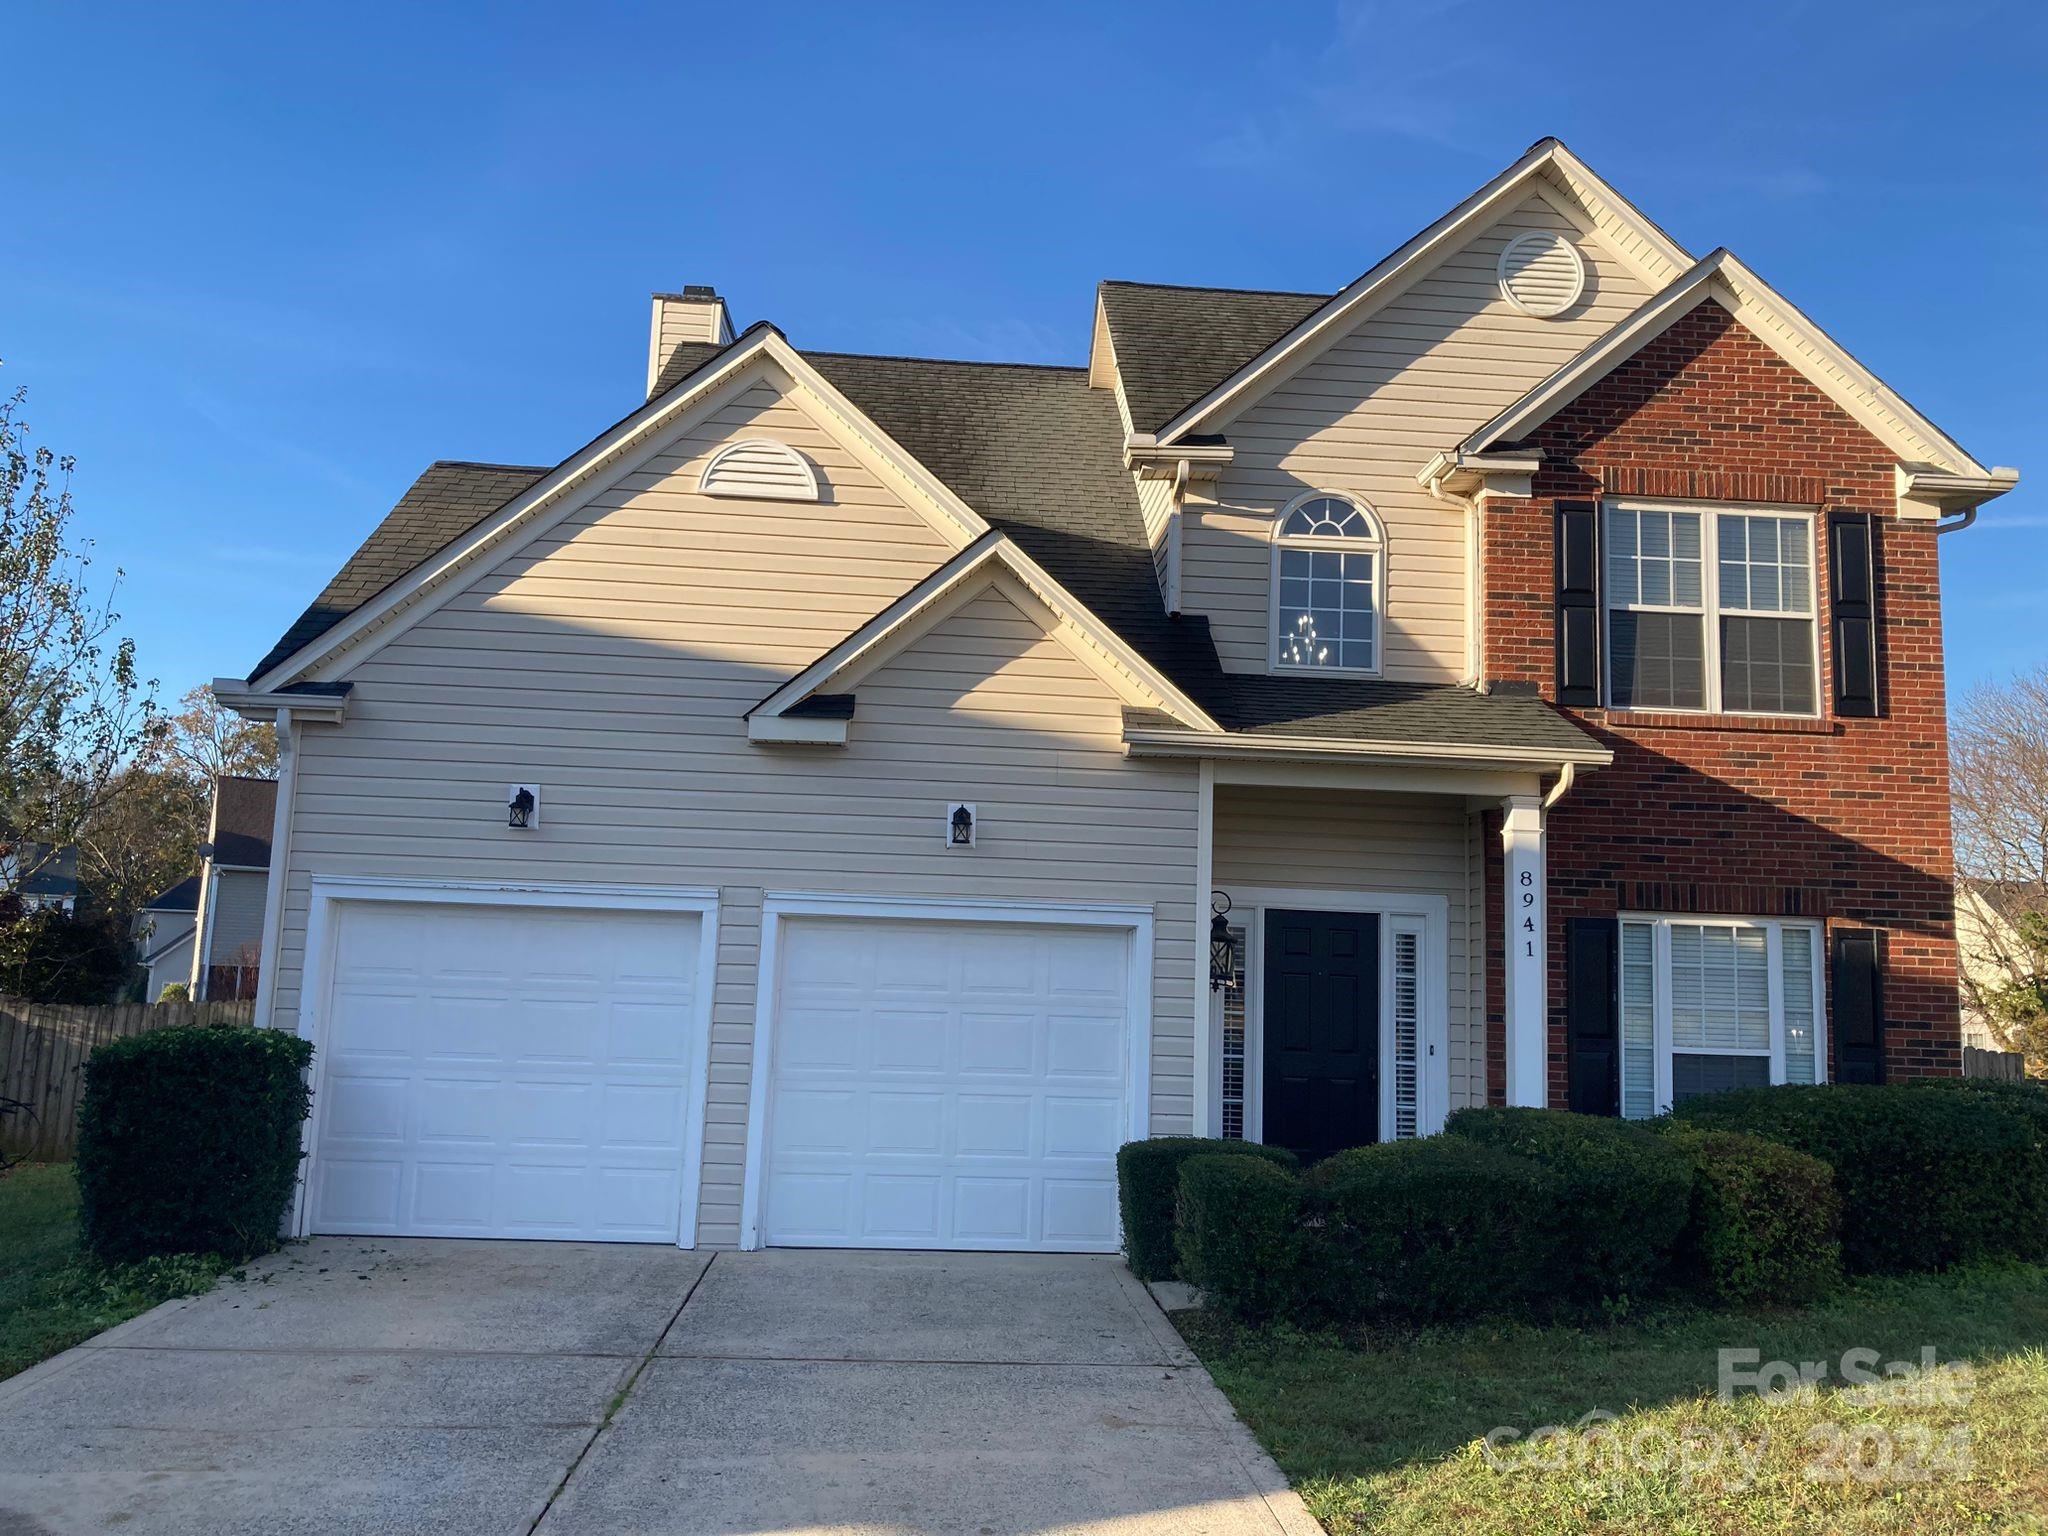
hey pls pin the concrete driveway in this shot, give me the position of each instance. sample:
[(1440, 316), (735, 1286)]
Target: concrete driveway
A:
[(570, 1390)]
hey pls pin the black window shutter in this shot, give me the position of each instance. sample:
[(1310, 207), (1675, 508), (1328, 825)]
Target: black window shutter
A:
[(1578, 603), (1852, 557), (1593, 1015), (1859, 1007)]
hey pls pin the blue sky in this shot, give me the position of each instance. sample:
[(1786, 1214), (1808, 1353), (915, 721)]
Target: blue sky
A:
[(259, 266)]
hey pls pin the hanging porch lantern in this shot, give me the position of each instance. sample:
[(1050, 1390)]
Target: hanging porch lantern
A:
[(1222, 953)]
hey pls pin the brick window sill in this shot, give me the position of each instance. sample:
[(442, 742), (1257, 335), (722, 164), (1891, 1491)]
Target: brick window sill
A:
[(1650, 719)]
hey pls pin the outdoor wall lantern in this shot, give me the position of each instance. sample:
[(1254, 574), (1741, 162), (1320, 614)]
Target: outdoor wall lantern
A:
[(522, 806), (1222, 953), (960, 826)]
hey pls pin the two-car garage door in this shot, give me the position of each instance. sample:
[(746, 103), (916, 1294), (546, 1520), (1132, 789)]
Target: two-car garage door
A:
[(515, 1071)]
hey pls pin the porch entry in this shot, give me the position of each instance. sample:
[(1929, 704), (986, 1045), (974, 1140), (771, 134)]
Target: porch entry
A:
[(1322, 1031)]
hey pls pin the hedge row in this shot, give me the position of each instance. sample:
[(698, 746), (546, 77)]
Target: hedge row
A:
[(1760, 1196), (188, 1141)]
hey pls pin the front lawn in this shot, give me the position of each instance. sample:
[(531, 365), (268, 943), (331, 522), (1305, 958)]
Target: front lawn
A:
[(52, 1295), (1390, 1434)]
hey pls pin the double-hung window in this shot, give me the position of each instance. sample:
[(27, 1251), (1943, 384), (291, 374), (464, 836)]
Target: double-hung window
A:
[(1712, 1003), (1711, 609)]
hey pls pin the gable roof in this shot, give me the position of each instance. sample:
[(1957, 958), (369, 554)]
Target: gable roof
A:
[(1173, 345), (1721, 277), (1634, 237), (452, 497), (182, 897)]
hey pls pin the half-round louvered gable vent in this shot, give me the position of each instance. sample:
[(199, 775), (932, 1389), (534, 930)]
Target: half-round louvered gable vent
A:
[(1541, 274), (762, 468)]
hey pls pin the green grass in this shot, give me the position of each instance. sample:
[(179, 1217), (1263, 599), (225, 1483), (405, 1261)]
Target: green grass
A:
[(1387, 1434), (52, 1295)]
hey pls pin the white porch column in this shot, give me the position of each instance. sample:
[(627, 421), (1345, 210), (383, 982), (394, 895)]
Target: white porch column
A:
[(1207, 1119), (1525, 931)]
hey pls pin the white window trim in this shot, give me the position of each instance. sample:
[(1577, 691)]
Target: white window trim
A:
[(1661, 1040), (1426, 915), (1378, 544), (1710, 610)]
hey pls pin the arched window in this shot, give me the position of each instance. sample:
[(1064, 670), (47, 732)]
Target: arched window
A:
[(1327, 580)]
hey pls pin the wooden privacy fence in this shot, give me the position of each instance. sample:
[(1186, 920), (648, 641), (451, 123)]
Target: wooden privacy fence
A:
[(43, 1047), (2005, 1066)]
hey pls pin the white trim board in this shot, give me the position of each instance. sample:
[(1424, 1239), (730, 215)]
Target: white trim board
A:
[(317, 965), (1433, 1079), (777, 906)]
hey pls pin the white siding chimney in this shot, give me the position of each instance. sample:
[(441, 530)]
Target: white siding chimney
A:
[(695, 314)]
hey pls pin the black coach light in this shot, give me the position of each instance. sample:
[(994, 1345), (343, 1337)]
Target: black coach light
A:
[(519, 810), (1222, 953), (962, 834)]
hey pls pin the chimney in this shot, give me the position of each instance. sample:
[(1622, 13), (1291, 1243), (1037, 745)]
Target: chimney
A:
[(695, 314)]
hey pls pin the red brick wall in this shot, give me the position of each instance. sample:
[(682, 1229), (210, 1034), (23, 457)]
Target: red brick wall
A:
[(1842, 820)]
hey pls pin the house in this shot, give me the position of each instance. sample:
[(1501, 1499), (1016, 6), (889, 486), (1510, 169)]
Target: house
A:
[(163, 932), (234, 873), (1993, 924), (40, 877), (850, 795)]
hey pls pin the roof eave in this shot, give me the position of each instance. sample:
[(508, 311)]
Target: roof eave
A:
[(1147, 741)]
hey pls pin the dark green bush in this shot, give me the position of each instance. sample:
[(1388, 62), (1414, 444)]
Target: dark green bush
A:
[(1766, 1220), (1620, 1196), (188, 1141), (1239, 1235), (1427, 1231), (1927, 1179), (1148, 1184), (2027, 1100)]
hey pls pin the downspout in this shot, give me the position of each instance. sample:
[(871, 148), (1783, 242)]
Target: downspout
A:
[(1962, 520), (1173, 537), (1474, 608), (1565, 778), (280, 868)]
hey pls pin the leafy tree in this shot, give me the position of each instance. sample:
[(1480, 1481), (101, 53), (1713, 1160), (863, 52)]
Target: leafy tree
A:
[(142, 838), (1999, 751), (206, 741), (51, 956), (74, 712)]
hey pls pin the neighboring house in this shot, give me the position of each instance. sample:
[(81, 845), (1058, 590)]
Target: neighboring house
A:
[(234, 865), (40, 877), (796, 817), (163, 934), (1989, 949)]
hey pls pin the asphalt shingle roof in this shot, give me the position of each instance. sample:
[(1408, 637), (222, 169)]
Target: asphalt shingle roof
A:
[(1038, 453), (244, 811), (1174, 345)]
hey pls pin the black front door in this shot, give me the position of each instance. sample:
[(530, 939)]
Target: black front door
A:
[(1322, 1050)]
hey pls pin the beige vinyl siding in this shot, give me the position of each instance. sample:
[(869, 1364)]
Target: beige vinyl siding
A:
[(1414, 377), (1155, 500), (612, 660), (1344, 840)]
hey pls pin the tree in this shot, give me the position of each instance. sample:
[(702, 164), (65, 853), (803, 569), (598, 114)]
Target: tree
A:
[(1999, 755), (206, 741), (142, 839), (74, 712), (52, 956)]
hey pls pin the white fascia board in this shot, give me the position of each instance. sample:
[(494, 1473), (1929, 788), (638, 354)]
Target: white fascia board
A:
[(1722, 278), (1950, 492), (430, 584), (1350, 305), (1152, 742), (255, 703), (925, 604)]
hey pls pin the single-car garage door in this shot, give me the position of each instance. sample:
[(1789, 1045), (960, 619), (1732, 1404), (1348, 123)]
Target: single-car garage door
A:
[(942, 1084), (505, 1072)]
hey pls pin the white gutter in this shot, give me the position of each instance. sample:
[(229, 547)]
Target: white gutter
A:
[(1563, 786), (280, 867), (1166, 742)]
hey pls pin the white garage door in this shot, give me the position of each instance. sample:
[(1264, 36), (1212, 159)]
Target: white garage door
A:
[(505, 1072), (947, 1085)]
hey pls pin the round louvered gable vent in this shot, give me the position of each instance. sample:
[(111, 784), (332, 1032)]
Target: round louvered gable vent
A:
[(1541, 274)]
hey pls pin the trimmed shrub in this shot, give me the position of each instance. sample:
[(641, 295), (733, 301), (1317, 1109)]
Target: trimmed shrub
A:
[(1427, 1231), (2026, 1100), (1766, 1220), (1620, 1197), (1238, 1234), (188, 1141), (1927, 1179), (1148, 1184)]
